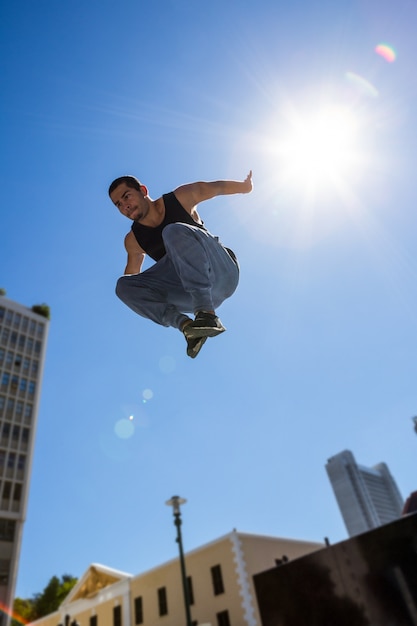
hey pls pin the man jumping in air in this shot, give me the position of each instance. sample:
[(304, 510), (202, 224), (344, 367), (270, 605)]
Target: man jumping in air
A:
[(193, 273)]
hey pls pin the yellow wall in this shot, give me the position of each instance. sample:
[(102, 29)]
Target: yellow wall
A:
[(239, 555), (261, 552)]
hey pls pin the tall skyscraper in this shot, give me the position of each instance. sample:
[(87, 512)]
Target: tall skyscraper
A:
[(368, 497), (23, 336)]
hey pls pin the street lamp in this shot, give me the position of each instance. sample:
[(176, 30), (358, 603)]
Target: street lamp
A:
[(175, 502)]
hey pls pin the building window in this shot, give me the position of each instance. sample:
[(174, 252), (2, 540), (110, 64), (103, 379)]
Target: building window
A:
[(21, 461), (5, 336), (25, 436), (217, 578), (5, 381), (32, 387), (190, 590), (15, 435), (5, 433), (162, 601), (138, 610), (223, 618), (2, 353), (28, 413), (17, 493), (7, 528), (11, 462), (7, 489), (117, 616), (10, 408), (19, 410), (4, 571), (93, 620)]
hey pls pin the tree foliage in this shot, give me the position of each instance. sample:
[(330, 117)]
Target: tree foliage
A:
[(44, 603), (42, 309)]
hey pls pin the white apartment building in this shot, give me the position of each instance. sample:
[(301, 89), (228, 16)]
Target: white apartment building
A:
[(23, 336)]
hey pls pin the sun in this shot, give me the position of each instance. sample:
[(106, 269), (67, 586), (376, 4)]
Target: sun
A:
[(319, 148)]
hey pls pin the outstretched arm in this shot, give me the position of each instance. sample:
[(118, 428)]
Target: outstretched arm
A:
[(192, 194)]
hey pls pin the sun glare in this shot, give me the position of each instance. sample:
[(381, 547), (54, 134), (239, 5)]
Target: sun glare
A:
[(319, 148)]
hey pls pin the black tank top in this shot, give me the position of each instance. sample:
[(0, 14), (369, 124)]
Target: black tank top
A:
[(150, 237)]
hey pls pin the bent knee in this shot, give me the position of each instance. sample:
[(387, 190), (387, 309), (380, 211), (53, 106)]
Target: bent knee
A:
[(122, 287), (173, 231)]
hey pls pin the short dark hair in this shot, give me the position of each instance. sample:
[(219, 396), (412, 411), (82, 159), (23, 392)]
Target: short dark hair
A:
[(130, 181)]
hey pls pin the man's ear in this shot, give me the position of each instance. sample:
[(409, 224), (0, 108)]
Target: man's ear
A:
[(144, 190)]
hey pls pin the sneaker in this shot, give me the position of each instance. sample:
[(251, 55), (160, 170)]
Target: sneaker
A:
[(194, 345), (204, 325)]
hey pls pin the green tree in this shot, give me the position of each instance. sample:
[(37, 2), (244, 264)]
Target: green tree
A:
[(42, 309), (46, 602), (23, 609)]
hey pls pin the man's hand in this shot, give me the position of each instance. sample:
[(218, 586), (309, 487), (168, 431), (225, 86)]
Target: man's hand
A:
[(247, 183)]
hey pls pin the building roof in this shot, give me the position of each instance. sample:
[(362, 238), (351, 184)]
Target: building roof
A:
[(96, 578)]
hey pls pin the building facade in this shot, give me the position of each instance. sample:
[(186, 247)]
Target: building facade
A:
[(23, 336), (367, 580), (368, 497), (219, 580)]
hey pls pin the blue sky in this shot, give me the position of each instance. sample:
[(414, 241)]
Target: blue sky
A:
[(319, 355)]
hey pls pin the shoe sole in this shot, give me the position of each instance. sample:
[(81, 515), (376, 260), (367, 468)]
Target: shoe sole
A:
[(192, 352), (208, 331)]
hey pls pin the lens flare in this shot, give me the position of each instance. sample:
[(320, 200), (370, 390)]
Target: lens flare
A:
[(361, 85), (124, 428), (386, 52), (147, 394), (8, 611)]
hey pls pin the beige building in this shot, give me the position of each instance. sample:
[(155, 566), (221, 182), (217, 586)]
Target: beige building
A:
[(23, 336), (220, 586)]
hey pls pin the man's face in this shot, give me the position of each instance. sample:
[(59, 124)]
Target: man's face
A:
[(130, 202)]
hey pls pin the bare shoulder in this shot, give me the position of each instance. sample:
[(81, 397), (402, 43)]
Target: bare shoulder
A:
[(186, 196), (191, 194)]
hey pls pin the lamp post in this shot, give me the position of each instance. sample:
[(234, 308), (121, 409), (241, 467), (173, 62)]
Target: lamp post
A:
[(175, 502), (67, 622)]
